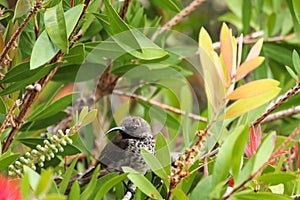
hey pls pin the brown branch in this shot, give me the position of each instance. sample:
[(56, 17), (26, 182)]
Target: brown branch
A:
[(10, 114), (270, 160), (282, 114), (179, 17), (124, 9), (10, 43), (161, 105), (32, 94), (280, 101)]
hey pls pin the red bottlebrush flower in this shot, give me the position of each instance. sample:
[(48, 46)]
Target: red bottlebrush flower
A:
[(9, 190), (255, 139)]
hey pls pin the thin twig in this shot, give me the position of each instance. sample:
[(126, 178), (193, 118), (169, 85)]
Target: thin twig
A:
[(7, 47), (128, 194), (124, 9), (10, 114), (31, 95), (280, 101), (282, 114), (179, 17), (161, 105)]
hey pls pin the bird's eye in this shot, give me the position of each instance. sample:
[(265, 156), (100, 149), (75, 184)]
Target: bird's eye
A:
[(135, 127)]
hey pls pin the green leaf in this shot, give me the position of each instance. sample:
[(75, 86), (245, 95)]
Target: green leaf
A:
[(34, 177), (272, 49), (229, 156), (260, 157), (131, 40), (83, 113), (6, 159), (296, 62), (53, 108), (55, 24), (54, 197), (202, 189), (65, 181), (179, 194), (163, 153), (294, 11), (25, 185), (167, 5), (276, 178), (75, 55), (27, 81), (22, 7), (91, 186), (3, 109), (109, 184), (155, 166), (88, 118), (296, 7), (260, 195), (44, 182), (43, 49), (246, 15), (75, 191), (291, 72), (142, 183)]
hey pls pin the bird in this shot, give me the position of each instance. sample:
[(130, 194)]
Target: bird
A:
[(124, 149)]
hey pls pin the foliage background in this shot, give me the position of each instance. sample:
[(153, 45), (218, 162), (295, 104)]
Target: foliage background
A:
[(79, 69)]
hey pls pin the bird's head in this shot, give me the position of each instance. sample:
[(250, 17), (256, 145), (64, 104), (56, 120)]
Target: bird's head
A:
[(133, 127)]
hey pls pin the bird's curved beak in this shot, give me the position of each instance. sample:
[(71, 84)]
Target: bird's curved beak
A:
[(118, 128)]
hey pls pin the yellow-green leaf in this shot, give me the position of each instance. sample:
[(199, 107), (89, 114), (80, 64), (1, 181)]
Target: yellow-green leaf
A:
[(227, 49), (255, 50), (245, 105), (205, 41), (253, 89), (248, 66)]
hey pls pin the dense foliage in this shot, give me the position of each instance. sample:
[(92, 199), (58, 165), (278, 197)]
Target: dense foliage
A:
[(219, 88)]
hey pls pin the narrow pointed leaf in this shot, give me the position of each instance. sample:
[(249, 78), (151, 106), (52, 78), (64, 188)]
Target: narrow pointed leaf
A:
[(248, 66), (291, 72), (56, 26), (205, 41), (227, 49), (245, 105), (296, 62), (155, 165), (142, 183), (255, 50), (22, 7), (253, 89), (65, 181)]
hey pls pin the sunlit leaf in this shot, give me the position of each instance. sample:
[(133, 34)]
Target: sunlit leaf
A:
[(227, 49), (56, 26), (22, 7), (248, 66), (44, 183), (260, 195), (142, 183), (253, 89), (296, 62), (291, 72), (205, 41), (155, 165), (244, 105), (255, 50)]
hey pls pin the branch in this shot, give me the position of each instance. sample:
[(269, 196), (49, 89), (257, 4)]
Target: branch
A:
[(161, 105), (32, 93), (38, 5), (124, 9), (282, 114), (280, 101), (9, 115), (179, 17), (129, 194)]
